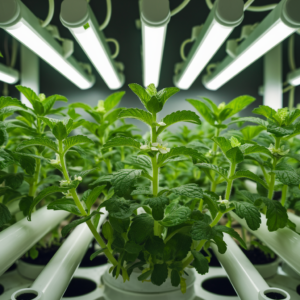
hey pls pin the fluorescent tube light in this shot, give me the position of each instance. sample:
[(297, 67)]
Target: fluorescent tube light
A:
[(223, 18), (21, 23), (293, 78), (277, 26), (78, 17), (8, 75), (155, 16)]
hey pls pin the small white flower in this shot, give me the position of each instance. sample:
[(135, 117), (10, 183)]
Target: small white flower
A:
[(160, 146), (145, 147), (279, 151), (154, 144), (224, 202), (68, 195), (55, 161), (64, 183), (162, 124), (79, 178), (154, 149)]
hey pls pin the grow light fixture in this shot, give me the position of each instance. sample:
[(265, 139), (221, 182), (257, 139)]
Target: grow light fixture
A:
[(78, 17), (223, 18), (21, 23), (293, 78), (155, 16), (8, 75), (277, 26)]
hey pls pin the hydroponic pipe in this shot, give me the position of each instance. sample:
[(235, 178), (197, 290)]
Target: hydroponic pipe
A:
[(284, 242), (55, 278), (295, 219), (245, 279), (20, 237)]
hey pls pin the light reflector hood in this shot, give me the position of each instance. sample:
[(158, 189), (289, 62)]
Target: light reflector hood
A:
[(277, 26), (21, 23), (78, 17)]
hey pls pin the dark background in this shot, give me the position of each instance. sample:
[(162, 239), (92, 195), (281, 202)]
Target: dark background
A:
[(122, 27)]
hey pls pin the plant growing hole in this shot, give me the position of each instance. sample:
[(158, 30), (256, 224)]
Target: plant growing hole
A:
[(276, 296), (27, 296), (79, 287), (219, 286), (1, 289)]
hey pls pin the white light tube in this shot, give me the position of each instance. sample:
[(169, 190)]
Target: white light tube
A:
[(155, 16), (293, 78), (21, 23), (223, 18), (78, 17), (8, 75), (277, 26)]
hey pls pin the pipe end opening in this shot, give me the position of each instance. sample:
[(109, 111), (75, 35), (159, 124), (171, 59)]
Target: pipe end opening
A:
[(274, 294), (27, 294)]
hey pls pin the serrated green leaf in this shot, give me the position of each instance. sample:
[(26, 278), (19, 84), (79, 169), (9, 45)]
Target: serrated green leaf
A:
[(154, 105), (25, 204), (222, 172), (75, 223), (38, 142), (204, 111), (124, 180), (120, 225), (238, 104), (250, 132), (14, 180), (222, 246), (145, 275), (95, 254), (214, 107), (190, 190), (3, 134), (49, 102), (223, 143), (276, 215), (113, 100), (280, 131), (44, 193), (251, 149), (122, 142), (135, 113), (141, 228), (176, 216), (60, 131), (140, 92), (202, 231), (65, 204), (265, 111), (27, 163), (112, 116), (162, 158), (93, 195), (235, 155), (179, 116), (200, 263), (119, 208), (249, 212), (250, 175), (231, 232), (292, 116), (251, 120), (141, 161), (74, 141), (287, 177), (175, 278), (133, 248), (155, 245), (151, 90), (158, 205), (159, 274), (5, 215), (165, 94)]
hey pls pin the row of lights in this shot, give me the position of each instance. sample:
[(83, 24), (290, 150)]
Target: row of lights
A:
[(78, 17)]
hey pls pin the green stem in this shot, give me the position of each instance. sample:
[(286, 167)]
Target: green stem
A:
[(291, 98), (214, 152), (229, 182), (122, 154), (81, 208), (108, 165), (33, 186), (265, 174), (200, 208), (284, 194), (272, 181)]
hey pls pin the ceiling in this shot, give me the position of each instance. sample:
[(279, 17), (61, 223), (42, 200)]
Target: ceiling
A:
[(122, 27)]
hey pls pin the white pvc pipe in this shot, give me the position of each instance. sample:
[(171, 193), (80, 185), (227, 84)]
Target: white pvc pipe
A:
[(295, 219), (20, 237), (284, 242), (243, 275), (56, 276)]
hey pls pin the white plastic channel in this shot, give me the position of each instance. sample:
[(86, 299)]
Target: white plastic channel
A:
[(20, 237), (284, 242), (55, 278), (295, 219)]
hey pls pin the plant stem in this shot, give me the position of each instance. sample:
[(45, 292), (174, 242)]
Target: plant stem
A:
[(122, 154), (229, 183), (284, 194), (33, 186), (108, 165), (81, 208), (214, 152), (272, 181), (200, 208)]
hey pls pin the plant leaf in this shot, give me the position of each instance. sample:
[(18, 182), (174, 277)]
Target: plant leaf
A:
[(65, 204), (74, 141), (113, 100), (202, 231), (250, 175), (135, 113), (140, 92), (167, 93), (141, 228), (38, 142), (159, 274), (179, 116), (122, 142), (94, 194), (158, 205), (231, 232), (223, 143), (222, 172), (60, 131), (95, 254), (203, 110), (238, 104), (287, 177), (177, 216), (200, 263), (5, 215), (190, 190), (251, 120)]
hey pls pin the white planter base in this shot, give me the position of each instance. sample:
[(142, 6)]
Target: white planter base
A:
[(268, 270)]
